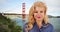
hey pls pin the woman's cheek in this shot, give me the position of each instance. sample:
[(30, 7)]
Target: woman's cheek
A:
[(35, 15), (42, 15)]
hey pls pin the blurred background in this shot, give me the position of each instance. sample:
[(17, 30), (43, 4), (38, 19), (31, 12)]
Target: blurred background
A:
[(14, 14)]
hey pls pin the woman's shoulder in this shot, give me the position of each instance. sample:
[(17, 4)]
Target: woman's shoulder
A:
[(49, 28), (25, 25), (50, 25)]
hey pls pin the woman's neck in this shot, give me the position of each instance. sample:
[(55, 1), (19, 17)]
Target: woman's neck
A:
[(39, 23)]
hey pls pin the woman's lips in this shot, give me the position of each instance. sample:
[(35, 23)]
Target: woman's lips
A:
[(38, 17)]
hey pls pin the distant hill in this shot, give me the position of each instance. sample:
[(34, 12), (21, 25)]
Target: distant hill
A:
[(50, 16)]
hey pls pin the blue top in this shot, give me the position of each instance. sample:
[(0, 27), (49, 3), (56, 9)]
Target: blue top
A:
[(44, 28)]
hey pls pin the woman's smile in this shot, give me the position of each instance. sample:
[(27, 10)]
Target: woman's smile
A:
[(38, 16)]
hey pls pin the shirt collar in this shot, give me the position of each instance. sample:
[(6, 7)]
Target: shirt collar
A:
[(43, 24)]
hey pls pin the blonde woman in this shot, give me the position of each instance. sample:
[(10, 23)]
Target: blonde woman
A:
[(38, 20)]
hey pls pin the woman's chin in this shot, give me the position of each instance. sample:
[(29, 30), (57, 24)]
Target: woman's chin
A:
[(39, 19)]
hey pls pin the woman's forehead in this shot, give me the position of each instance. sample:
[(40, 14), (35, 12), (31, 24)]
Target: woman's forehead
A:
[(39, 8)]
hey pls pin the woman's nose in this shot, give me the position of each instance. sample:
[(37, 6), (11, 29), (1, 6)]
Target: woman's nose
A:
[(38, 13)]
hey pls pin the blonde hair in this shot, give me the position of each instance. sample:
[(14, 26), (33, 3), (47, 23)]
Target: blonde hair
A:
[(31, 13)]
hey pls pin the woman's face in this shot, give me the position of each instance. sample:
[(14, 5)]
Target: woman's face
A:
[(39, 13)]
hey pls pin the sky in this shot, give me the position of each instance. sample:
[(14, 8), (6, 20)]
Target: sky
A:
[(15, 6)]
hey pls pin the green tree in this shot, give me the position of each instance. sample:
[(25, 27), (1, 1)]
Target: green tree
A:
[(7, 25)]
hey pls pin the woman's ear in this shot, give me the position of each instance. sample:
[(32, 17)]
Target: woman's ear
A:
[(45, 19)]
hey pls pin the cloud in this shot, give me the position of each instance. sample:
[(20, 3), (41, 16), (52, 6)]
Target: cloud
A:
[(10, 6), (16, 6), (53, 3), (54, 11), (53, 7), (3, 1), (15, 9)]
